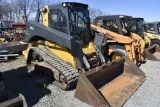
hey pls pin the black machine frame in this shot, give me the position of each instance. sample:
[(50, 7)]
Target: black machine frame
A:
[(39, 33)]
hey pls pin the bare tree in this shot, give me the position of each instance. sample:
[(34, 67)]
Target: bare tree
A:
[(51, 2), (16, 10), (4, 9), (94, 12), (41, 3), (22, 10), (1, 8), (26, 6)]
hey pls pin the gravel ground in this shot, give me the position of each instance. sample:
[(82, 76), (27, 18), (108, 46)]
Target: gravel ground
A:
[(18, 80)]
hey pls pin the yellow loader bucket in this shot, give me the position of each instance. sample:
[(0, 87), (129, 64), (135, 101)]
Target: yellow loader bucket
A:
[(109, 85), (153, 53)]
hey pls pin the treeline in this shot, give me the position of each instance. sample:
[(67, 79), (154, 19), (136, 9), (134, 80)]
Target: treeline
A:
[(24, 10)]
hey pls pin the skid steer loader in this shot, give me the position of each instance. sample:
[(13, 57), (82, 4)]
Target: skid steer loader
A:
[(121, 41), (151, 41), (62, 46), (129, 27), (152, 31)]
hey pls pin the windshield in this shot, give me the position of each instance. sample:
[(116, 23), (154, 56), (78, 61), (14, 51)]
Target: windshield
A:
[(79, 23), (78, 18), (129, 24), (134, 25)]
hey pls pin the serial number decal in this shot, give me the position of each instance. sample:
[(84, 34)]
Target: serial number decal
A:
[(102, 31)]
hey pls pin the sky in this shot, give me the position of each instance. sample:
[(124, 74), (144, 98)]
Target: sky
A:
[(147, 9)]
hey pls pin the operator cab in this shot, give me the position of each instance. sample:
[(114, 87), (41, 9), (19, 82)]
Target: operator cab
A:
[(121, 24), (79, 22), (69, 18), (152, 27), (114, 23), (136, 26)]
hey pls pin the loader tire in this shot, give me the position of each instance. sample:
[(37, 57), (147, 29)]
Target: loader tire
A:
[(3, 94), (117, 54), (157, 42)]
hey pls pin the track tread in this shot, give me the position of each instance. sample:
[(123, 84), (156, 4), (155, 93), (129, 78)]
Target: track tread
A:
[(70, 73)]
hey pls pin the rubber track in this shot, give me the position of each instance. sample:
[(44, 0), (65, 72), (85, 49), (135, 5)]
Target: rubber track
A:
[(65, 69)]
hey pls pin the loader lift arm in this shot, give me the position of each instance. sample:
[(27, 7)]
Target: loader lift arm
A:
[(145, 31), (130, 44), (122, 25)]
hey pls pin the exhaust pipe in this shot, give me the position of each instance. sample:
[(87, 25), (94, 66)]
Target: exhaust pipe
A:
[(109, 85), (15, 102), (153, 53)]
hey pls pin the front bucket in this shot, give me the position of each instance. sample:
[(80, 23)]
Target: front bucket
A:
[(15, 102), (153, 53), (111, 84)]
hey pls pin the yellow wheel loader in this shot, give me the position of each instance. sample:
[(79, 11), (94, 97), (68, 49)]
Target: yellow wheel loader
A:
[(61, 46)]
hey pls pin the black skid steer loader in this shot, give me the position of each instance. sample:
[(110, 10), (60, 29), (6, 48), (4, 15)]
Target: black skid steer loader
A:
[(61, 42)]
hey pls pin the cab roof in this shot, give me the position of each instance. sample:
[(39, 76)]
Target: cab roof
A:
[(61, 4)]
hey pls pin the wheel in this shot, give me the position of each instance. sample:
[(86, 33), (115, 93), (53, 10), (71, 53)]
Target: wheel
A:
[(3, 94), (118, 53), (157, 42)]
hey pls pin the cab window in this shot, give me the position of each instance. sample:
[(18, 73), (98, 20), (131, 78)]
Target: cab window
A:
[(149, 28)]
